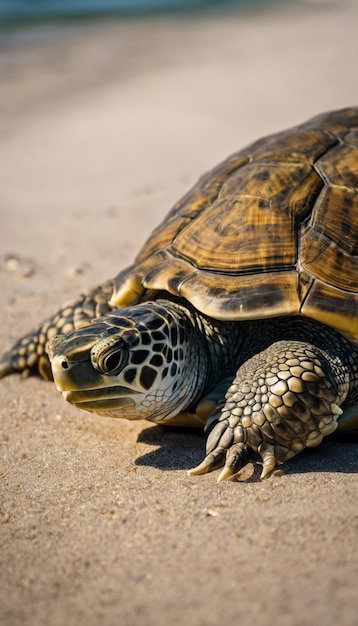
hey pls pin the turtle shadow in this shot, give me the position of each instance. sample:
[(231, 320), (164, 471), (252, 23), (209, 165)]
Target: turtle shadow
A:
[(335, 455), (178, 448)]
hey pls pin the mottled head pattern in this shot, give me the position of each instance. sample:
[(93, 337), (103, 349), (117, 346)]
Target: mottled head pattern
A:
[(132, 363)]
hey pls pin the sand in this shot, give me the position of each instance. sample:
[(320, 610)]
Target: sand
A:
[(102, 128)]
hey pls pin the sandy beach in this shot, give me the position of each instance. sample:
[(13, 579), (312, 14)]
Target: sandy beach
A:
[(103, 127)]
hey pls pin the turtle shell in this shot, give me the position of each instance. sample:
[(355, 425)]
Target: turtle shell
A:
[(271, 231)]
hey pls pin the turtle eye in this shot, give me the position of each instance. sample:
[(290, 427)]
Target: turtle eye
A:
[(110, 361)]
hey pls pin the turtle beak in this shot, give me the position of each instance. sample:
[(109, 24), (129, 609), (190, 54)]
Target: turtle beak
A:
[(62, 377), (70, 362), (59, 364), (82, 385)]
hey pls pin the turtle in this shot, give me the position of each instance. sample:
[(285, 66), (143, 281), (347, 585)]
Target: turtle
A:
[(240, 313)]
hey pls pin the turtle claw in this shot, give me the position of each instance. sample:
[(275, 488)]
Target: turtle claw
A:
[(237, 457), (212, 461), (225, 474), (267, 453)]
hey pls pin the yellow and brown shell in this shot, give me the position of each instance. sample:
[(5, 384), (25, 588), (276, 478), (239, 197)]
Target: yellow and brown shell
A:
[(271, 231)]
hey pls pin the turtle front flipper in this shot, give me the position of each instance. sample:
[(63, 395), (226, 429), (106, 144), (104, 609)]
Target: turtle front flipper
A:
[(29, 354), (282, 400)]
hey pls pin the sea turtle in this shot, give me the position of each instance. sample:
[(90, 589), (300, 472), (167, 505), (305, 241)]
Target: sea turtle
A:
[(240, 311)]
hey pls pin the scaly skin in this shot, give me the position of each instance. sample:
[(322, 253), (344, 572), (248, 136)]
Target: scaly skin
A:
[(142, 362), (282, 400), (266, 386), (284, 395)]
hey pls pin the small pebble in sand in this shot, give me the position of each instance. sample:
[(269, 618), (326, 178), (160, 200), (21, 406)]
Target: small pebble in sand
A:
[(74, 271), (21, 267)]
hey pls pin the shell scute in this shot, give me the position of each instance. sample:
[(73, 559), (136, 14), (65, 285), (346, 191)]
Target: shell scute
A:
[(263, 180), (273, 230), (192, 204), (235, 227), (333, 307), (339, 166), (335, 215), (307, 146), (240, 297), (331, 264), (336, 122)]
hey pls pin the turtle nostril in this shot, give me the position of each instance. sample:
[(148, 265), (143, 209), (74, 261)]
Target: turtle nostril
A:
[(64, 364)]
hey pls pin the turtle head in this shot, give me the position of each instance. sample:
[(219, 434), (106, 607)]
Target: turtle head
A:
[(130, 363)]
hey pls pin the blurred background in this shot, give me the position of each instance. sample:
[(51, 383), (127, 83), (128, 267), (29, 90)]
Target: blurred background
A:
[(16, 10), (109, 110)]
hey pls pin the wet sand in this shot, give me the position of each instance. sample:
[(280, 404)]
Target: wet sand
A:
[(101, 130)]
